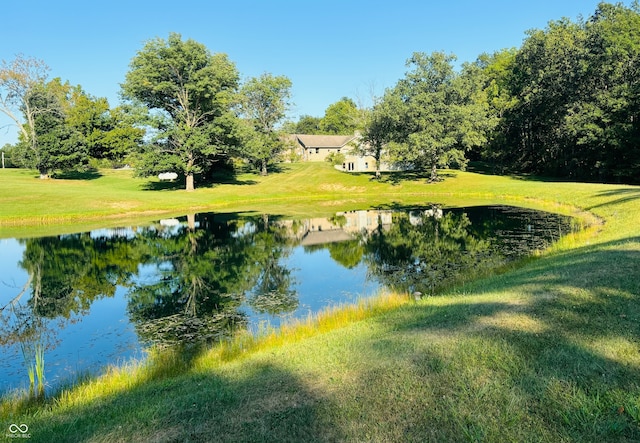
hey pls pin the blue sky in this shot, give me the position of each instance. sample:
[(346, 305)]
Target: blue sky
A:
[(329, 49)]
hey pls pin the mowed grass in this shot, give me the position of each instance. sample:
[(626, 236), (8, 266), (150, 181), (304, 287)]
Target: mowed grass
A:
[(28, 204), (548, 351)]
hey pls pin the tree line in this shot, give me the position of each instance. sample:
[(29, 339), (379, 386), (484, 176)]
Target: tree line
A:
[(184, 110), (565, 104)]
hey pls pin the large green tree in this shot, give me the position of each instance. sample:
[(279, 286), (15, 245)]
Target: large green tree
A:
[(49, 143), (34, 105), (431, 117), (604, 121), (342, 117), (574, 109), (376, 134), (492, 74), (20, 80), (64, 126), (110, 134), (546, 80), (306, 124), (194, 91), (264, 103)]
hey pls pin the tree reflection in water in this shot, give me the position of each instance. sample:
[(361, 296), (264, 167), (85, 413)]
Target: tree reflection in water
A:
[(424, 250), (202, 277), (189, 280)]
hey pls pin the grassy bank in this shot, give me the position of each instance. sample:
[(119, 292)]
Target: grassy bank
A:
[(549, 351), (29, 206)]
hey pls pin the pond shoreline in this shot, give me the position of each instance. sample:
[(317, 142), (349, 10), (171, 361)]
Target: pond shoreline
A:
[(515, 356), (419, 250)]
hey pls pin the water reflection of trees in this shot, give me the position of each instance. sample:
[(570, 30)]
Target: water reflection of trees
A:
[(66, 275), (192, 289), (187, 280), (421, 252), (70, 272), (272, 293), (201, 277)]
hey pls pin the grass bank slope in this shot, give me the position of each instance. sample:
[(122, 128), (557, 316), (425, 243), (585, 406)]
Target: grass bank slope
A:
[(549, 351), (29, 206)]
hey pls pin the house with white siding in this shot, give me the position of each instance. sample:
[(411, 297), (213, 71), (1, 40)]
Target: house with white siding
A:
[(316, 148)]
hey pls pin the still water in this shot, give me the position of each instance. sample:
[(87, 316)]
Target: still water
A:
[(96, 298)]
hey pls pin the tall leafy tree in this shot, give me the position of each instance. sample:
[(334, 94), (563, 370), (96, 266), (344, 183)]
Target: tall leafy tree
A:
[(493, 74), (119, 137), (194, 90), (342, 118), (52, 143), (605, 120), (264, 103), (376, 133), (575, 92), (109, 134), (547, 75), (431, 116), (24, 98), (307, 124)]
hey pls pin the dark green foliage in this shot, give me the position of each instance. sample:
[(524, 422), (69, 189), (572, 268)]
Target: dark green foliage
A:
[(264, 103), (307, 125), (340, 118), (565, 104), (70, 127), (55, 145), (574, 109), (430, 118), (189, 93)]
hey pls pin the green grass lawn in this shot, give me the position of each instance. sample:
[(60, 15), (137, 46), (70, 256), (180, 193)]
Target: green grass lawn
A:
[(548, 351), (29, 206)]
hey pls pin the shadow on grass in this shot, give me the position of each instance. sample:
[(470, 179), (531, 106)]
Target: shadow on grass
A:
[(619, 196), (180, 184), (396, 177), (486, 168), (276, 168), (92, 174), (558, 361), (229, 179), (265, 403), (155, 185)]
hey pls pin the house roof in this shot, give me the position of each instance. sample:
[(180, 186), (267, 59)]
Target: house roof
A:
[(323, 141), (323, 237)]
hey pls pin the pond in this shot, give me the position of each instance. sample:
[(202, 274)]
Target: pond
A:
[(86, 300)]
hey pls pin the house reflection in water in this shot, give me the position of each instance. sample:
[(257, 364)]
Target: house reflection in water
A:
[(343, 226)]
